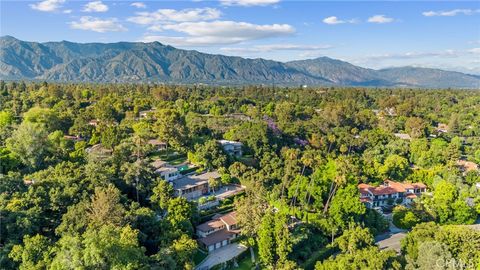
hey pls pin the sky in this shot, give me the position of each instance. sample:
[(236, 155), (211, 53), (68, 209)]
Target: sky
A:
[(373, 34)]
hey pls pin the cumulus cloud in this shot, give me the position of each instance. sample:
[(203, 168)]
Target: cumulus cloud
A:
[(450, 13), (379, 19), (95, 6), (248, 3), (219, 32), (335, 20), (98, 25), (231, 29), (48, 5), (138, 5), (172, 15), (275, 47)]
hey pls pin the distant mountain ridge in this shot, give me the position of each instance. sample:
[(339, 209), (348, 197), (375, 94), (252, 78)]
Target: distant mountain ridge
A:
[(155, 62)]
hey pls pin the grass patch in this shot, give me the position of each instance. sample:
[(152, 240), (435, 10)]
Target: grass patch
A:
[(245, 264), (320, 255), (199, 256)]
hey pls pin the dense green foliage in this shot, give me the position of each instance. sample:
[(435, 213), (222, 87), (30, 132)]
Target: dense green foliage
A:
[(66, 206)]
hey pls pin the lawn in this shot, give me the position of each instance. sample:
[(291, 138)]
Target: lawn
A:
[(246, 262), (199, 256)]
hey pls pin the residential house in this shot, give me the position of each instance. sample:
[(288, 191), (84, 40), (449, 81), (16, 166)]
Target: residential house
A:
[(158, 145), (220, 231), (231, 147), (166, 171), (219, 194), (403, 136), (146, 113), (94, 122), (442, 128), (192, 187), (390, 192), (467, 166), (99, 151)]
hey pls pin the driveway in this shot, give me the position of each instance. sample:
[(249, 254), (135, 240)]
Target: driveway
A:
[(221, 255), (391, 239)]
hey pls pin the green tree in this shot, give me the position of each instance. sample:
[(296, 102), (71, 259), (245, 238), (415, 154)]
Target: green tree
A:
[(367, 258), (354, 238), (6, 119), (162, 194), (209, 155), (30, 144), (106, 247), (45, 116), (394, 167), (266, 239), (404, 218), (346, 207), (416, 127), (105, 208), (171, 128), (180, 212), (184, 249), (35, 253)]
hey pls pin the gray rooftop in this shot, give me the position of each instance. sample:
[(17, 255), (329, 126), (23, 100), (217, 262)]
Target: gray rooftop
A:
[(190, 181)]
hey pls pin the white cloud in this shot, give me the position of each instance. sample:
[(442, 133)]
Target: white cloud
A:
[(335, 20), (231, 29), (138, 5), (275, 47), (67, 11), (95, 6), (380, 19), (415, 55), (48, 5), (332, 20), (98, 25), (248, 3), (219, 32), (474, 51), (450, 13), (172, 15)]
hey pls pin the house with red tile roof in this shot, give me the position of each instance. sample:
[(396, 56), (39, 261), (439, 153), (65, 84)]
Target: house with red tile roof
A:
[(399, 193), (218, 232), (467, 166)]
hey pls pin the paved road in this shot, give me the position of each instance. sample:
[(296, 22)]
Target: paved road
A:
[(221, 255), (390, 240)]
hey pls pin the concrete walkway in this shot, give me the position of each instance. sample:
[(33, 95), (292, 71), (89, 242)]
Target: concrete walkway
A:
[(221, 255)]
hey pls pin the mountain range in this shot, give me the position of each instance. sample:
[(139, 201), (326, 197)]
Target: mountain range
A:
[(154, 62)]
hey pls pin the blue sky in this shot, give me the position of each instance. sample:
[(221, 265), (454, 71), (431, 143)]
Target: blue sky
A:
[(371, 34)]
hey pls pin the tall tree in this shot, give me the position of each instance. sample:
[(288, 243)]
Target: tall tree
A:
[(30, 144), (171, 128)]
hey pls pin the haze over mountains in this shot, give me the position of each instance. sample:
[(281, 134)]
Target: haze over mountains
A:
[(155, 62)]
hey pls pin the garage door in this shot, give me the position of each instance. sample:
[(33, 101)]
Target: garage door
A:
[(211, 248), (218, 245), (224, 243)]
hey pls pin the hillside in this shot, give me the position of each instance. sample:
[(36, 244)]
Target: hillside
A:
[(155, 62)]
